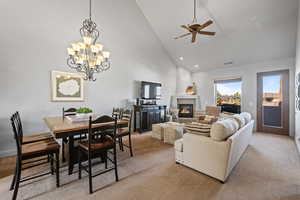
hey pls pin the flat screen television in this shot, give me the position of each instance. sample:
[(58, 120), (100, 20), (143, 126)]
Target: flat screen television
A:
[(150, 90)]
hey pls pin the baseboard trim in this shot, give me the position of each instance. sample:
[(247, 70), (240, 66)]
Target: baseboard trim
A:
[(7, 153)]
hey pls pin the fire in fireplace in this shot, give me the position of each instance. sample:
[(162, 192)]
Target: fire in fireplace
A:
[(185, 110)]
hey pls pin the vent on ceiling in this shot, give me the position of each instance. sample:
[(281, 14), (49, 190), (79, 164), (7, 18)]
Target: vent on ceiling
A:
[(228, 63)]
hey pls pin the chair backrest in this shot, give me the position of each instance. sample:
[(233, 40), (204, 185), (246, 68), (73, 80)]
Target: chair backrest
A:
[(103, 125), (117, 112), (68, 112), (213, 110), (19, 125), (17, 133), (127, 115)]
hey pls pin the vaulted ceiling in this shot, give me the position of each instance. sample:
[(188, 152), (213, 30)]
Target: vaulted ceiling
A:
[(247, 31)]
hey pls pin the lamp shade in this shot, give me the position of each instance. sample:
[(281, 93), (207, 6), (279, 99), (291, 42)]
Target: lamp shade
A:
[(99, 60), (105, 54), (81, 45), (71, 51), (94, 49), (87, 40), (75, 46), (99, 46)]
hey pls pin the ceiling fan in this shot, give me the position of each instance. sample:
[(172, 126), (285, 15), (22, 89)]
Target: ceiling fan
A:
[(195, 28)]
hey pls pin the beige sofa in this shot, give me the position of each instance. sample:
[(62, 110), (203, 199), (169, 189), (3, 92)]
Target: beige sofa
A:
[(211, 156)]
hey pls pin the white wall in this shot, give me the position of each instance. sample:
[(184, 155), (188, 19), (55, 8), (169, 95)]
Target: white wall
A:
[(183, 80), (34, 37), (297, 113), (204, 81)]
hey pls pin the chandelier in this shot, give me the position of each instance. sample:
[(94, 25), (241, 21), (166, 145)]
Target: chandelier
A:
[(88, 56)]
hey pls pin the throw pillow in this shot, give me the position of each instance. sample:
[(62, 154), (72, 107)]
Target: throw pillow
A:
[(221, 130), (198, 128), (246, 116), (240, 120)]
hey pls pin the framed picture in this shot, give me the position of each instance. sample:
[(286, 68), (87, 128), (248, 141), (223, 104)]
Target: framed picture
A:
[(66, 86)]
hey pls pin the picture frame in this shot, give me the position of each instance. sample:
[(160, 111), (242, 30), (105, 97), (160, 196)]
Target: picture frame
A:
[(67, 87)]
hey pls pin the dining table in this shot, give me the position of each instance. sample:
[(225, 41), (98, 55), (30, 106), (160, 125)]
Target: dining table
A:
[(63, 128)]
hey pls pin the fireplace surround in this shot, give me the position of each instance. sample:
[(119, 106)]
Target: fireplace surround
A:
[(186, 110)]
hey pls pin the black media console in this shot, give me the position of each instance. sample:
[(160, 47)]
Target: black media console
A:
[(146, 115)]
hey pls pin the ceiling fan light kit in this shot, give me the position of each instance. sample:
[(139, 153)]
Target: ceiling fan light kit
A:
[(195, 28)]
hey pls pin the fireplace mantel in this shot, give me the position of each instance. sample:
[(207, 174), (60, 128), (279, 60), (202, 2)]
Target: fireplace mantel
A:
[(177, 98), (186, 97)]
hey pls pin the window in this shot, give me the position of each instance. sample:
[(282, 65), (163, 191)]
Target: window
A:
[(228, 94)]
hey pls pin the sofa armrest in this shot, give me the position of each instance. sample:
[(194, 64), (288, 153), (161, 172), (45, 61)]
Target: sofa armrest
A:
[(240, 141), (206, 155)]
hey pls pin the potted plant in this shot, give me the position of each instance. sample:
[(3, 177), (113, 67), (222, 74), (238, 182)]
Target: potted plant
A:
[(84, 112)]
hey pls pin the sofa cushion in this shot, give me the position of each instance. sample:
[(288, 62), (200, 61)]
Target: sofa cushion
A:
[(221, 130), (246, 116), (178, 145), (198, 128), (240, 120)]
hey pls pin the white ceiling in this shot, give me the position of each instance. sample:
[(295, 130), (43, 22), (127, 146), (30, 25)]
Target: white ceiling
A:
[(247, 31)]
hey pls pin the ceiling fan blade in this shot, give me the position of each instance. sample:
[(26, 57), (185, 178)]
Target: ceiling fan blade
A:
[(207, 33), (187, 28), (206, 24), (181, 36), (194, 37)]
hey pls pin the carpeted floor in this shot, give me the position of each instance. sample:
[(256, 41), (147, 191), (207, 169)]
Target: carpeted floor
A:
[(269, 170)]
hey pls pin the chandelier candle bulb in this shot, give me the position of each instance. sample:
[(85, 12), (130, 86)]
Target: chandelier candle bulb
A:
[(83, 57), (79, 61), (105, 54), (99, 46), (99, 60), (81, 45), (94, 49), (75, 46), (71, 51), (92, 64)]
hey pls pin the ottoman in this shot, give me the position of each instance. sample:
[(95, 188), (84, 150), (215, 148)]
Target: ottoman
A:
[(172, 132), (157, 131)]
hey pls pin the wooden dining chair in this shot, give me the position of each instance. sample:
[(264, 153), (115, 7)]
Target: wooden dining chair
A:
[(35, 150), (31, 138), (65, 113), (70, 112), (105, 127), (117, 112), (125, 130)]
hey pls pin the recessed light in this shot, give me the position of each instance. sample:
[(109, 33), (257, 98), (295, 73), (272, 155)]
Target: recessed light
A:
[(180, 58), (196, 66)]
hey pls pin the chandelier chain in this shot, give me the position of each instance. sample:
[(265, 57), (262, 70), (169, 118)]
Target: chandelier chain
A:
[(90, 9), (194, 9)]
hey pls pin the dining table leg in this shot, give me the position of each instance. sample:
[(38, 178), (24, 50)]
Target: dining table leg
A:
[(71, 154)]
